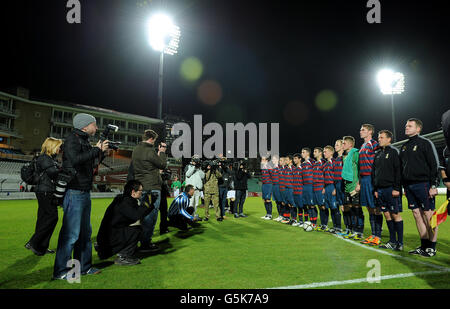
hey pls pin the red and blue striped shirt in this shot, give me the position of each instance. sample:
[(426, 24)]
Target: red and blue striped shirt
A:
[(367, 156), (307, 168), (275, 173), (289, 176), (298, 180), (266, 175), (318, 183), (282, 178), (328, 172), (338, 164)]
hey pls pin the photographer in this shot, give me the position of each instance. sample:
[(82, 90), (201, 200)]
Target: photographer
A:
[(79, 159), (47, 216), (212, 189), (240, 186), (224, 185), (120, 229), (180, 213), (147, 161), (194, 177)]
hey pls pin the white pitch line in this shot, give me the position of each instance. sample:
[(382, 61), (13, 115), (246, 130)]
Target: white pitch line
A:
[(344, 282)]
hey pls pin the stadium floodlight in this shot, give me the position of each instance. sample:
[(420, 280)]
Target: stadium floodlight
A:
[(391, 83), (164, 37)]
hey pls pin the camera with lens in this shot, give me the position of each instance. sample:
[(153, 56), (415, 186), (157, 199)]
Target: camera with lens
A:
[(196, 161), (213, 163), (166, 174), (106, 136), (61, 183)]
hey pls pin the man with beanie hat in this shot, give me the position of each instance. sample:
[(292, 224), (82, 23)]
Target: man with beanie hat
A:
[(78, 158)]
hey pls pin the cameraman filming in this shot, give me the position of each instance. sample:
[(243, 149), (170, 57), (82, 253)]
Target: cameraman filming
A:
[(211, 190), (147, 162), (194, 177), (79, 158)]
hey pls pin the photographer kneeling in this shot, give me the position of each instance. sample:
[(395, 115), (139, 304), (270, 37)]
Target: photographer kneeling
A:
[(121, 228), (180, 213), (47, 216)]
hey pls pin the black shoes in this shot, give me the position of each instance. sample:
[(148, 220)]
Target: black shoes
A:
[(220, 219), (148, 248), (38, 253), (124, 260)]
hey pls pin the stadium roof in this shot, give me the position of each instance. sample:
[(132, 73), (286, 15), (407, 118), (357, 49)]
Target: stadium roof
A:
[(82, 108)]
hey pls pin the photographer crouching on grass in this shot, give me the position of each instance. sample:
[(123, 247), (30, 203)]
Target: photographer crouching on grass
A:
[(121, 228), (79, 158)]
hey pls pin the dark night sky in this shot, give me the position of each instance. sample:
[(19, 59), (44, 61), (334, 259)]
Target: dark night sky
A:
[(271, 59)]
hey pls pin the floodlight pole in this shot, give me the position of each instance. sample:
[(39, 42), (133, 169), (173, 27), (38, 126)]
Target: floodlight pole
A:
[(160, 84), (393, 118)]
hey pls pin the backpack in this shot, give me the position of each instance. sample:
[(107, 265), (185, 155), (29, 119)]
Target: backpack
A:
[(29, 172)]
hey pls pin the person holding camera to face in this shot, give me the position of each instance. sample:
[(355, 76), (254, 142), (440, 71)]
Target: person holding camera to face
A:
[(240, 185), (147, 161), (79, 159), (47, 216), (224, 185), (211, 189), (120, 229), (194, 177)]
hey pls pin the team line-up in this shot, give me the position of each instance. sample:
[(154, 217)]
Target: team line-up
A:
[(338, 181)]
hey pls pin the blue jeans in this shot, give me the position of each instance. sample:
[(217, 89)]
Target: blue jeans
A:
[(149, 222), (239, 203), (222, 200), (75, 234)]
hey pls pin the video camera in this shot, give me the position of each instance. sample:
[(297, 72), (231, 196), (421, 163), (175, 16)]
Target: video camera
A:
[(213, 163), (106, 136)]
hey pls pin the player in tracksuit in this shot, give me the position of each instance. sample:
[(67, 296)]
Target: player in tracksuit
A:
[(291, 210), (330, 190), (276, 185), (420, 179), (366, 157), (298, 190), (266, 188), (338, 183), (386, 177), (308, 195), (318, 187)]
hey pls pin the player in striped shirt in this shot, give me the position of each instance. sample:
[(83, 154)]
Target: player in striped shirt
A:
[(180, 214), (291, 210), (366, 158), (266, 188), (282, 181), (308, 196), (338, 183), (276, 185), (318, 187), (330, 189), (298, 190)]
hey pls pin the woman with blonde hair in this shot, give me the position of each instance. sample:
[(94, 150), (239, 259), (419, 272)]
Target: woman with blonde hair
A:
[(47, 216)]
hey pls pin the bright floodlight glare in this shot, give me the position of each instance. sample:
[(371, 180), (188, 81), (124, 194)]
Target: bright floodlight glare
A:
[(391, 82), (163, 35)]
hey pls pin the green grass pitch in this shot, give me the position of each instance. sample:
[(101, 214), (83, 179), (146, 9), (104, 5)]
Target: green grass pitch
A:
[(243, 253)]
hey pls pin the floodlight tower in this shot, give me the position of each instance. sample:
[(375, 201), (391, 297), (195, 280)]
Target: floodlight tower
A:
[(392, 83), (164, 37)]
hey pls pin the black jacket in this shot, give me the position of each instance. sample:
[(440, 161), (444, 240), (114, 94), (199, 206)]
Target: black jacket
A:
[(241, 179), (48, 167), (386, 169), (122, 212), (226, 179), (419, 161), (79, 157)]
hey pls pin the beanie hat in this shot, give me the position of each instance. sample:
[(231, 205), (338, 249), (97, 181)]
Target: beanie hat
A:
[(82, 120)]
